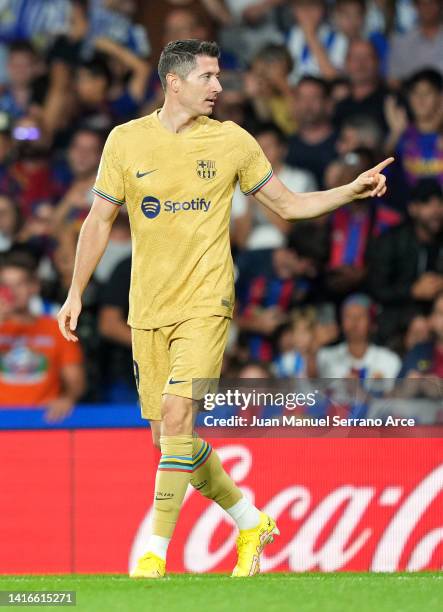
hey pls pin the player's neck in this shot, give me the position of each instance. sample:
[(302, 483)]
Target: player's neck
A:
[(175, 119)]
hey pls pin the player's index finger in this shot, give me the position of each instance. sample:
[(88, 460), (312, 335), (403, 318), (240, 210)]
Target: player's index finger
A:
[(382, 165)]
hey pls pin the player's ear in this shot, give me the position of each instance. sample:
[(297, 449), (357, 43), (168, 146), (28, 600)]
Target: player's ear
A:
[(172, 81)]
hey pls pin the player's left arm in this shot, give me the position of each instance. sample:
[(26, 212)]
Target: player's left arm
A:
[(293, 206)]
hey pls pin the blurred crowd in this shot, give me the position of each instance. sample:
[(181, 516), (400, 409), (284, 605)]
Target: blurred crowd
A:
[(328, 88)]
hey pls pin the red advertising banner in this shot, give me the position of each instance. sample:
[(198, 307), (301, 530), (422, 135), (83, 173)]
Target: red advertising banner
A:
[(80, 501)]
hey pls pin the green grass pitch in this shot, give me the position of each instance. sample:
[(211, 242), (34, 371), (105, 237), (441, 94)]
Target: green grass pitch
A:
[(314, 592)]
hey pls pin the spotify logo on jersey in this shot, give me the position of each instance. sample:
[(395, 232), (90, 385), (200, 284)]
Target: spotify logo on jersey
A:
[(150, 207)]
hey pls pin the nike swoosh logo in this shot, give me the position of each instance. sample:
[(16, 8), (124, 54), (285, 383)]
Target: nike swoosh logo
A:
[(141, 174), (174, 382)]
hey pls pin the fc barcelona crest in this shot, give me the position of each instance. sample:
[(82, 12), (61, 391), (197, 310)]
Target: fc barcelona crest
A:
[(206, 168)]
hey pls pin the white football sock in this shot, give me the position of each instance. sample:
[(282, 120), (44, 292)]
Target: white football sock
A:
[(245, 514), (158, 545)]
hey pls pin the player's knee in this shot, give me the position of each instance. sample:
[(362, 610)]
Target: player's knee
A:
[(176, 415)]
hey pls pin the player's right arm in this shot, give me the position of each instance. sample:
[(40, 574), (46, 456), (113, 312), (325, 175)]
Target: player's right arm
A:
[(93, 238)]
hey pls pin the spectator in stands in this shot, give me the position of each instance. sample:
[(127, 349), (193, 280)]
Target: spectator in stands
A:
[(418, 331), (256, 227), (104, 97), (38, 366), (270, 283), (10, 222), (209, 13), (350, 19), (253, 25), (350, 230), (30, 178), (316, 48), (268, 88), (255, 369), (420, 48), (368, 92), (115, 20), (425, 359), (92, 86), (119, 380), (312, 147), (406, 262), (296, 346), (356, 356), (83, 158), (389, 15), (352, 227), (360, 132), (36, 21), (418, 146), (23, 68)]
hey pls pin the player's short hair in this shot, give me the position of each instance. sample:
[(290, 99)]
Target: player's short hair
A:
[(179, 56), (428, 75)]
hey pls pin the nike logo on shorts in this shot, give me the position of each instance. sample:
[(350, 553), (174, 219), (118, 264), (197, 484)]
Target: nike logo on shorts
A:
[(174, 382), (142, 174)]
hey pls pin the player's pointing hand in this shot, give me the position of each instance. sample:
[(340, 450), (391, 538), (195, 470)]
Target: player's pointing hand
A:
[(372, 183), (68, 316)]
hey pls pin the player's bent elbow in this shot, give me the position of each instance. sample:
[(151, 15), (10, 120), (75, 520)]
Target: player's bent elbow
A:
[(291, 208), (291, 212)]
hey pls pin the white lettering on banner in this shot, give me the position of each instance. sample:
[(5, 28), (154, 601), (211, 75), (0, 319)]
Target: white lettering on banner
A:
[(303, 552), (394, 539), (422, 553), (343, 511)]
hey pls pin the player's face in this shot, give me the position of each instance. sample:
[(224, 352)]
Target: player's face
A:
[(199, 90)]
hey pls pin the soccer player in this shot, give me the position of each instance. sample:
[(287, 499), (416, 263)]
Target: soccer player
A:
[(176, 170)]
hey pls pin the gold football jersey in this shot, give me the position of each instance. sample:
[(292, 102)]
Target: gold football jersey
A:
[(178, 191)]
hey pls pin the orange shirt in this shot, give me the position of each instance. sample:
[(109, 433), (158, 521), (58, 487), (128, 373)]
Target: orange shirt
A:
[(32, 356)]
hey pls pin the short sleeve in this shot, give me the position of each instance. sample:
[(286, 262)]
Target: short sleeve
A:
[(254, 169), (109, 184)]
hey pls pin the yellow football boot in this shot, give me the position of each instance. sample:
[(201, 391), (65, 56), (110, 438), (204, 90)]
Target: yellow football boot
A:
[(250, 544), (149, 566)]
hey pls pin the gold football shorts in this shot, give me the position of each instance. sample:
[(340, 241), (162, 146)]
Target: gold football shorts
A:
[(169, 358)]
